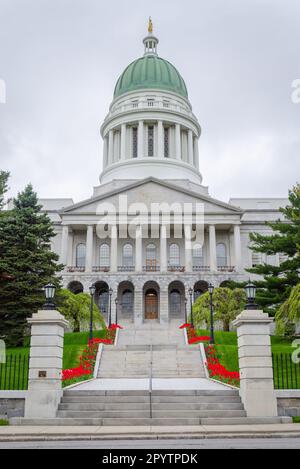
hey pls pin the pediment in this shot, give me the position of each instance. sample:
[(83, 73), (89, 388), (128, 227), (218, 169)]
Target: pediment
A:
[(148, 192)]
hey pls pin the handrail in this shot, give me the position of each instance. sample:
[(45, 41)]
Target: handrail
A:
[(150, 379)]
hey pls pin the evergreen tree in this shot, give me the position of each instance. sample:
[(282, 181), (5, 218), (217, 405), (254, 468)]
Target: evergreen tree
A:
[(4, 175), (27, 259), (278, 281)]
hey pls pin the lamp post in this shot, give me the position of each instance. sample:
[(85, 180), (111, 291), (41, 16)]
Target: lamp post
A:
[(49, 294), (92, 289), (185, 311), (116, 301), (110, 292), (191, 291), (250, 290), (211, 308)]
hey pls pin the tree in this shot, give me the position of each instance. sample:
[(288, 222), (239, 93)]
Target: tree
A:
[(278, 281), (76, 309), (26, 257), (288, 315), (227, 305), (4, 175)]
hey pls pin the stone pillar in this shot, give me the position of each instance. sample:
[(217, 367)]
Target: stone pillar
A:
[(141, 139), (110, 147), (255, 363), (190, 147), (188, 248), (163, 249), (160, 139), (114, 249), (138, 307), (89, 248), (45, 365), (123, 142), (212, 248), (138, 249), (237, 247), (64, 244), (177, 142), (163, 306)]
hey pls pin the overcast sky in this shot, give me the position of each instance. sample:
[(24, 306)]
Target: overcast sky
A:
[(60, 60)]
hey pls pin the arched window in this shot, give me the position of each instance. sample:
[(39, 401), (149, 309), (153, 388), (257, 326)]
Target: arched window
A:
[(80, 255), (174, 255), (104, 255), (127, 302), (175, 303), (221, 255), (127, 255), (197, 255)]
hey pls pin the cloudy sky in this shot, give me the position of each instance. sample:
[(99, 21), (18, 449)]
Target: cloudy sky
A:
[(60, 60)]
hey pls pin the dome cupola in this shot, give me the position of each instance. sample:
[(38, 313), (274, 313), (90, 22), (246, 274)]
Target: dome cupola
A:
[(150, 129)]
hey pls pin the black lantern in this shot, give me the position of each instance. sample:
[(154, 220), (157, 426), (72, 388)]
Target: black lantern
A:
[(116, 302), (92, 289), (250, 290), (49, 294), (191, 291), (211, 309)]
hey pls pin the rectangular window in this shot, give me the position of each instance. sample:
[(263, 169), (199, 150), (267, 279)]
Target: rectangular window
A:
[(150, 140), (150, 102), (135, 103), (134, 142), (165, 103), (166, 142)]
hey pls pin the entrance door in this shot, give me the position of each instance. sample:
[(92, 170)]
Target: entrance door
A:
[(151, 304)]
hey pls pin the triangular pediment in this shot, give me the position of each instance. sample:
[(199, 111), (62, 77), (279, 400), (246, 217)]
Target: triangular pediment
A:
[(151, 191)]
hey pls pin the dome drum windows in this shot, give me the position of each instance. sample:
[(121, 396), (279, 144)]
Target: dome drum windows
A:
[(166, 142), (150, 140), (134, 142)]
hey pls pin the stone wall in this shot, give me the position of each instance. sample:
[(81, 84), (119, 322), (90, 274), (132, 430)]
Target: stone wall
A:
[(288, 402), (12, 404)]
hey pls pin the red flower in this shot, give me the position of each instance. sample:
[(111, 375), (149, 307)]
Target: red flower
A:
[(184, 326), (116, 326)]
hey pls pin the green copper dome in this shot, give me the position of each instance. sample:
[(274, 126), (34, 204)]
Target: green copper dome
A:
[(150, 72)]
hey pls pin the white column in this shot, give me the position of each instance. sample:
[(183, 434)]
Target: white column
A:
[(196, 152), (114, 249), (178, 142), (160, 139), (163, 248), (105, 152), (141, 139), (188, 248), (190, 147), (237, 247), (64, 245), (110, 147), (123, 142), (89, 248), (212, 248), (70, 248), (138, 249)]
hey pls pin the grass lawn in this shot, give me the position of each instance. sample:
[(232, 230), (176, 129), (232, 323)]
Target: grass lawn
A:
[(13, 377), (226, 346), (296, 419), (3, 422)]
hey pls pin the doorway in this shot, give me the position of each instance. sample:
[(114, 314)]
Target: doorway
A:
[(151, 304)]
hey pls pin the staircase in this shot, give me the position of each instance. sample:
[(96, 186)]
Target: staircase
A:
[(162, 361), (134, 408)]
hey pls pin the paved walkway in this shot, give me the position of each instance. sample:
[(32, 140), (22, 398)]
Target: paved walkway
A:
[(31, 433)]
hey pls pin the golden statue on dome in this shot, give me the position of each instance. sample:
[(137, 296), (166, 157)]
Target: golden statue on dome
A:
[(150, 26)]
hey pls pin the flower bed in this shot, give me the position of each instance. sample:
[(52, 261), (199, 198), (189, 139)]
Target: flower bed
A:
[(218, 371), (87, 360), (191, 334)]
